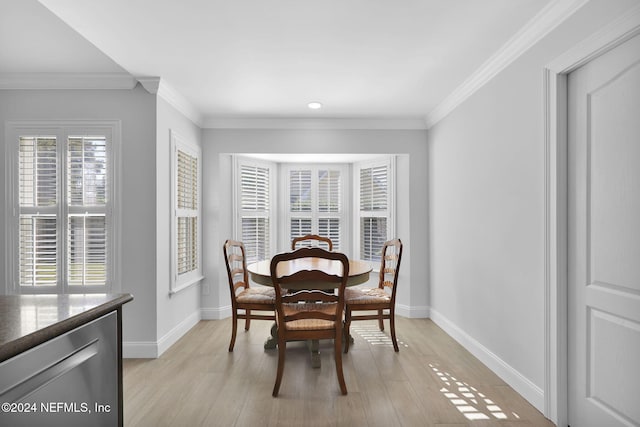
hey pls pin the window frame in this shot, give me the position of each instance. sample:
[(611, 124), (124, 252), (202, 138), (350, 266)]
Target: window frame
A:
[(180, 281), (314, 214), (62, 131), (389, 213), (238, 213)]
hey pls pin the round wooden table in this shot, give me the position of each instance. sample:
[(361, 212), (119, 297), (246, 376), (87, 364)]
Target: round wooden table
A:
[(260, 272)]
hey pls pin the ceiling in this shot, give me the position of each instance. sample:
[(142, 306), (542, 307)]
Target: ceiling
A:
[(267, 59)]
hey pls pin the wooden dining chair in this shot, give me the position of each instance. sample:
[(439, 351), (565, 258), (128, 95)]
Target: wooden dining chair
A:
[(245, 299), (308, 314), (382, 299), (310, 238)]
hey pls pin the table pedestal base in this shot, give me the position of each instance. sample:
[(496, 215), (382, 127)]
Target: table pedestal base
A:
[(313, 345)]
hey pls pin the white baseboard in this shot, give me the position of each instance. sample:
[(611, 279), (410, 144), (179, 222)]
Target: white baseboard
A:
[(218, 313), (139, 349), (412, 312), (153, 350), (177, 332), (527, 389)]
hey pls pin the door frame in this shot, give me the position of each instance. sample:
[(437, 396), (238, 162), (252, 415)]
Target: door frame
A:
[(555, 204)]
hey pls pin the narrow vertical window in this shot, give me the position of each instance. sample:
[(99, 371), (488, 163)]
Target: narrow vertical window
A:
[(186, 223), (374, 212), (255, 209)]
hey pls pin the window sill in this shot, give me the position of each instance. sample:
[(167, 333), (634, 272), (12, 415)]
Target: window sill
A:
[(185, 285)]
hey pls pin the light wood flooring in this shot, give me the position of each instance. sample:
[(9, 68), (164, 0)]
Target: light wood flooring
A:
[(432, 381)]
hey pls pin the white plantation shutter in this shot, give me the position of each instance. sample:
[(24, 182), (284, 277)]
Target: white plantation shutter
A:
[(256, 237), (87, 171), (329, 191), (187, 212), (330, 227), (186, 219), (300, 190), (300, 227), (87, 250), (87, 194), (330, 205), (38, 211), (374, 213), (38, 250), (374, 188), (63, 232), (373, 234), (255, 209), (315, 201), (38, 172)]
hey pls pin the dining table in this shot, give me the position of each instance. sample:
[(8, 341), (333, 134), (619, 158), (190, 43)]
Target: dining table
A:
[(260, 272)]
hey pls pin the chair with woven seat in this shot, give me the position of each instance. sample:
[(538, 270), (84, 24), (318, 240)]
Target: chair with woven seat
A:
[(310, 240), (308, 314), (245, 299), (382, 299)]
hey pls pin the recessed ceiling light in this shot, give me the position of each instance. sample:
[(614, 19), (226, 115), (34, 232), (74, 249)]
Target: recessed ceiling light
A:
[(314, 105)]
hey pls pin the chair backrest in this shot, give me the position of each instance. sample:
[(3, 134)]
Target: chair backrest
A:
[(310, 238), (390, 266), (295, 272), (235, 259)]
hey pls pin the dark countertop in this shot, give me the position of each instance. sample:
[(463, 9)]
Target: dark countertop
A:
[(29, 320)]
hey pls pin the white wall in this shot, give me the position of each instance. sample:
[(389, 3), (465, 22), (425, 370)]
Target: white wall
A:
[(486, 189), (412, 198), (136, 111), (179, 312)]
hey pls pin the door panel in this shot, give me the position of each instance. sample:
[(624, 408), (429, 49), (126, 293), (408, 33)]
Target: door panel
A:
[(604, 239)]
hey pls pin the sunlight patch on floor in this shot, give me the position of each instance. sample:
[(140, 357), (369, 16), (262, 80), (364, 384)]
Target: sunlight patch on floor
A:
[(473, 404), (372, 334)]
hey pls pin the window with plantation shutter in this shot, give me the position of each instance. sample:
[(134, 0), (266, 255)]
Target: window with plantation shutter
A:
[(38, 223), (254, 199), (87, 195), (61, 229), (186, 223), (315, 201), (374, 189)]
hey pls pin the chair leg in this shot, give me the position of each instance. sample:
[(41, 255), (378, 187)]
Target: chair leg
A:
[(234, 329), (282, 347), (346, 332), (338, 355), (380, 322), (392, 325), (247, 321)]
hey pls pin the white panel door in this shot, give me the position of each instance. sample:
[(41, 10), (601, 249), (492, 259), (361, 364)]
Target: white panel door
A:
[(604, 240)]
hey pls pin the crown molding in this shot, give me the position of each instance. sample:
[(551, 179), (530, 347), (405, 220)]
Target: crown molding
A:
[(150, 84), (618, 31), (315, 123), (158, 86), (538, 27), (17, 81)]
